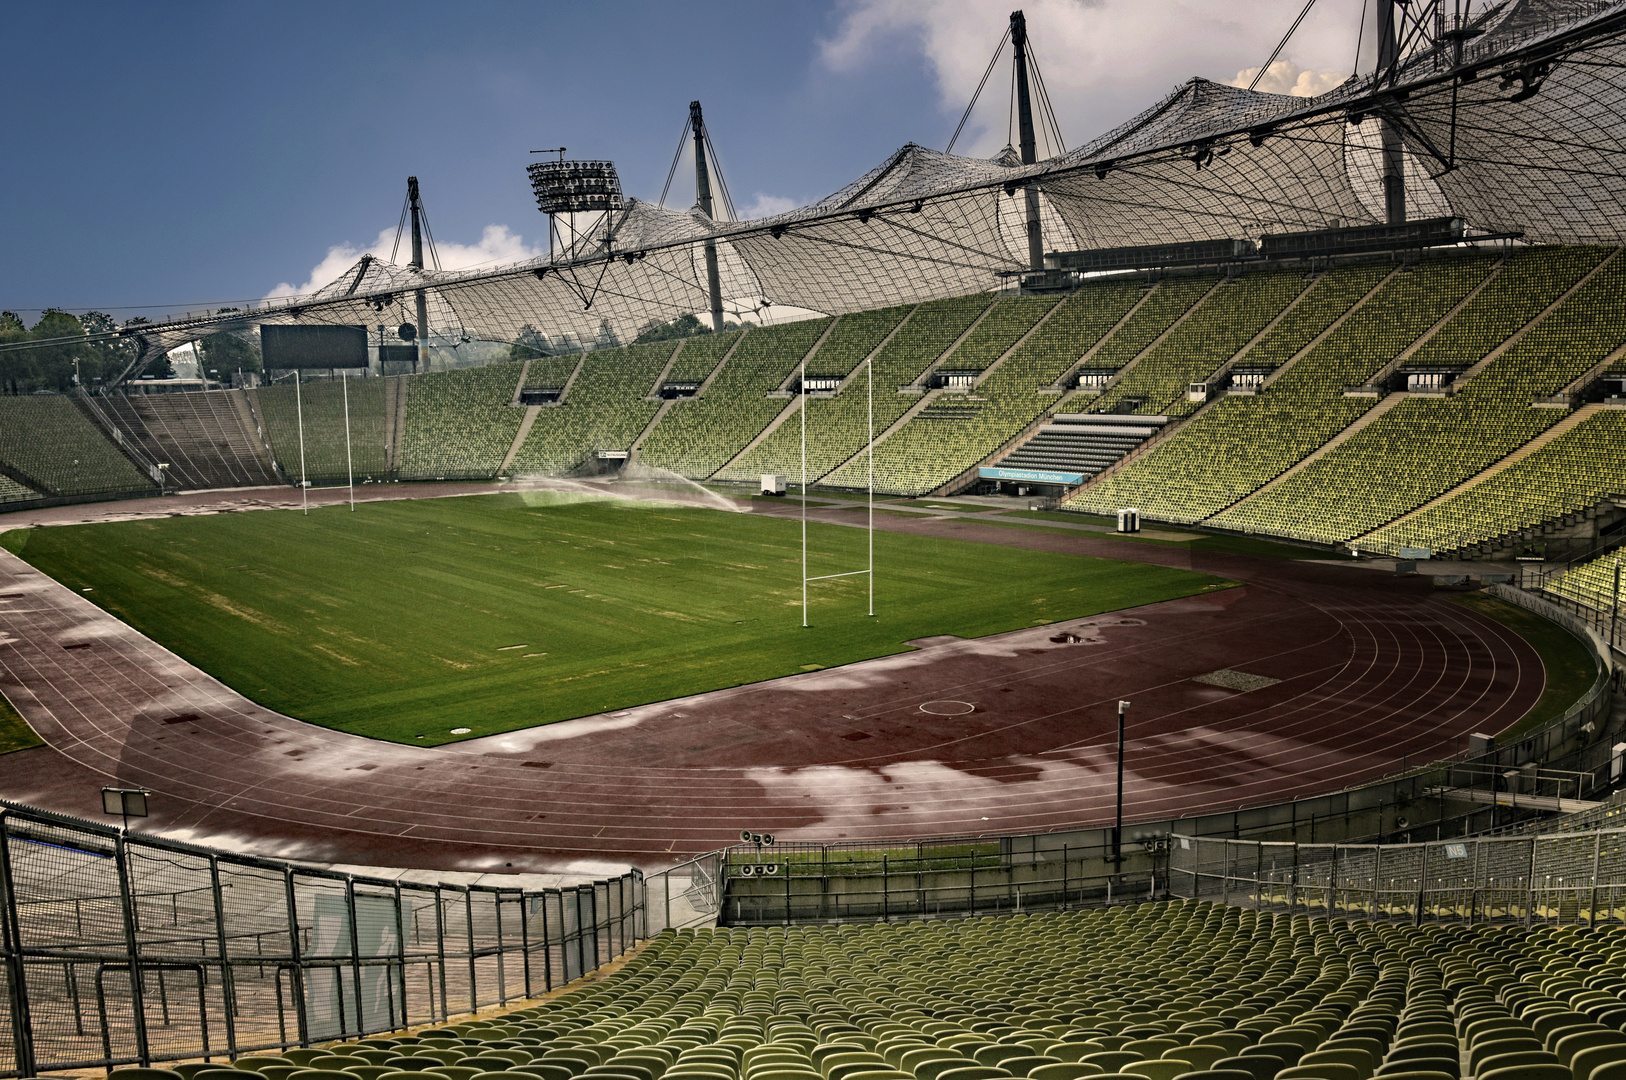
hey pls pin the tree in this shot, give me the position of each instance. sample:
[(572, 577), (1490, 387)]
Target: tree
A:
[(681, 327), (54, 363), (103, 360), (15, 367)]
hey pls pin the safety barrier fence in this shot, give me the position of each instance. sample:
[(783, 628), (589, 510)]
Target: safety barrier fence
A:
[(1555, 879), (1598, 612), (124, 949), (868, 882)]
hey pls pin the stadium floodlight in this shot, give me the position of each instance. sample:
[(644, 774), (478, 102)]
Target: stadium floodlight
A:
[(575, 187)]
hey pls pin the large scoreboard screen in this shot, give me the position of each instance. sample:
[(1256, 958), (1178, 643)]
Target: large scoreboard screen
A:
[(283, 347)]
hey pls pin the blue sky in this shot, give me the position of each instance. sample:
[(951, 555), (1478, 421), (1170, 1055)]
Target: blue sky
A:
[(180, 154)]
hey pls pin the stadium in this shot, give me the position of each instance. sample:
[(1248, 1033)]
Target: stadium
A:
[(1148, 611)]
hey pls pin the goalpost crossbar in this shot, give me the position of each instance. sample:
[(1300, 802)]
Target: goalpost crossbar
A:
[(869, 526), (827, 577)]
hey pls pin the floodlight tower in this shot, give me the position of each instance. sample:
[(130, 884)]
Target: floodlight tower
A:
[(1393, 163), (702, 191), (416, 205), (1028, 145)]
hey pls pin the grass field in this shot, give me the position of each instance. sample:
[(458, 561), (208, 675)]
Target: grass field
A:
[(405, 620), (1571, 670), (15, 734)]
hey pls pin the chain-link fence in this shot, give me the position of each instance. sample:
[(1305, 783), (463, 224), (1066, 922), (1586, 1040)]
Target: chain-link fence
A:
[(1555, 879), (120, 949)]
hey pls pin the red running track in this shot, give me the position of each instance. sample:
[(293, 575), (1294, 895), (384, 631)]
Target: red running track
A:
[(1372, 670)]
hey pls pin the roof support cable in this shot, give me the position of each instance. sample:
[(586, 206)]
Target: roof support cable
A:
[(987, 72), (1282, 44), (675, 159)]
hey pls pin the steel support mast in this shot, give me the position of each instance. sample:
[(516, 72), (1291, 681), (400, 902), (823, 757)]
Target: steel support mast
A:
[(1393, 164), (417, 264), (702, 191), (1028, 145)]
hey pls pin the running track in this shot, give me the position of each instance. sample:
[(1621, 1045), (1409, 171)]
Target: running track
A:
[(1373, 671)]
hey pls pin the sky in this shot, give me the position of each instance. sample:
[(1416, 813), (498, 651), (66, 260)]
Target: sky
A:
[(169, 156)]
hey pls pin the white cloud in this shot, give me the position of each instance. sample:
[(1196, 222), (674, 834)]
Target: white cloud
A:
[(767, 206), (1102, 60), (1286, 77), (497, 245)]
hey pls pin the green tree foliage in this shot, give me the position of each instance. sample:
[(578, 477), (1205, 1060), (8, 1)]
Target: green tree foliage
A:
[(681, 327), (228, 352), (16, 368)]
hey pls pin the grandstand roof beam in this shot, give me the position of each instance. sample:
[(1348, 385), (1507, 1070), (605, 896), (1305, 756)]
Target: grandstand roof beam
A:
[(702, 191), (1394, 162), (1028, 143)]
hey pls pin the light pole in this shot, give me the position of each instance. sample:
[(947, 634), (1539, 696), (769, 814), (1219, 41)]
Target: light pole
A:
[(1118, 818)]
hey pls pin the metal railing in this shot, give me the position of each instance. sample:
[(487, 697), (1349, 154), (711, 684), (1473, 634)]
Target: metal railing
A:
[(1555, 879), (125, 949), (802, 882)]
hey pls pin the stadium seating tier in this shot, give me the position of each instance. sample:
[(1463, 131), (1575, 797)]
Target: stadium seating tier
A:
[(700, 356), (1592, 583), (956, 432), (1152, 991), (459, 424), (1242, 442), (699, 435), (1570, 474), (838, 426), (607, 409), (321, 402), (50, 441), (1425, 446), (1229, 317)]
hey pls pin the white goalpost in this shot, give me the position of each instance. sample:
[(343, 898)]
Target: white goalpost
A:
[(869, 374)]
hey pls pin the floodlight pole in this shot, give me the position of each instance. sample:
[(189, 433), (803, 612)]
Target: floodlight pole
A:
[(702, 191), (1393, 163), (869, 370), (299, 411), (1118, 818), (1028, 144), (417, 264), (349, 463), (801, 391)]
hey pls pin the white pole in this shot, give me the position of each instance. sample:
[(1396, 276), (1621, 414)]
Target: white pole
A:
[(802, 393), (870, 365), (349, 465), (299, 411)]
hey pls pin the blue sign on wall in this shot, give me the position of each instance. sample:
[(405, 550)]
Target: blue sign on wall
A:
[(1032, 476)]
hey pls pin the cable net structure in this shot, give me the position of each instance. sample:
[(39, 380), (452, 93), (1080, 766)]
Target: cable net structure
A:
[(1512, 120)]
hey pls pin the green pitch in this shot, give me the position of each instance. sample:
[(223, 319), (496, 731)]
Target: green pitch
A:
[(404, 620)]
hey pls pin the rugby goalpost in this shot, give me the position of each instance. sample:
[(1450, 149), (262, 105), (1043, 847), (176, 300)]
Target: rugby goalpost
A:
[(869, 528), (349, 461)]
